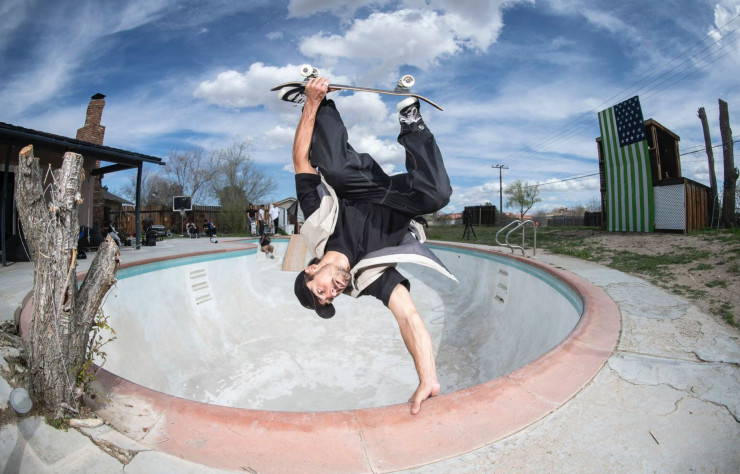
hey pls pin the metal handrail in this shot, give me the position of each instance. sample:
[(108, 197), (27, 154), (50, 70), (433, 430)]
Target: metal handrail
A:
[(503, 229), (519, 225)]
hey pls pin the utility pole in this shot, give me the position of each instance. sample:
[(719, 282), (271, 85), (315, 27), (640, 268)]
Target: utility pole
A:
[(500, 195)]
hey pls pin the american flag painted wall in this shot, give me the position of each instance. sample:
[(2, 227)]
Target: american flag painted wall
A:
[(629, 186)]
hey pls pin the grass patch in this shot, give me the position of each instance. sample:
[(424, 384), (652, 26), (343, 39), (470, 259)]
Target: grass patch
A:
[(716, 283), (574, 250), (701, 266), (687, 291), (657, 265), (724, 311)]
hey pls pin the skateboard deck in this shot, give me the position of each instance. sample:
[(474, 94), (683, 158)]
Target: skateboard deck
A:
[(343, 87), (295, 257)]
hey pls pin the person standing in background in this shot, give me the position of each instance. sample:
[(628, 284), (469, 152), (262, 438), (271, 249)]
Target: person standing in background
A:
[(274, 217), (262, 222)]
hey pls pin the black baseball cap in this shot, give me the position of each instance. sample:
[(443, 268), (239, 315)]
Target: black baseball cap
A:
[(305, 296)]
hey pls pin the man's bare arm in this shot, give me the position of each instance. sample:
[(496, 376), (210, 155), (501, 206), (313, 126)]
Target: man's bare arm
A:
[(419, 344), (315, 93)]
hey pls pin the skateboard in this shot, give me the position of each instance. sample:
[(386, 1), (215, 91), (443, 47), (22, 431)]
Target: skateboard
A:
[(403, 88)]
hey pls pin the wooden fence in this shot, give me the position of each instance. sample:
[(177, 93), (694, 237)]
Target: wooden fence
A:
[(125, 219)]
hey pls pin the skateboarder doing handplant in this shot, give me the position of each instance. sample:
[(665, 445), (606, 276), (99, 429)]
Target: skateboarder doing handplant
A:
[(360, 220)]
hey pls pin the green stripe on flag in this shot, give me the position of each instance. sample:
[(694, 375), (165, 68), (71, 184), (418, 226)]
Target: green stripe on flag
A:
[(629, 189)]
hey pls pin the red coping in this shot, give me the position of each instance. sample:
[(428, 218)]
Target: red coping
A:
[(375, 439)]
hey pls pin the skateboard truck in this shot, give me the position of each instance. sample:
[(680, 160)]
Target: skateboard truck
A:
[(308, 71), (405, 83)]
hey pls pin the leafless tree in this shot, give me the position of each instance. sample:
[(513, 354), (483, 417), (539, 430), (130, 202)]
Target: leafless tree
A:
[(156, 189), (731, 173), (159, 191), (593, 204), (193, 169), (229, 175), (240, 180)]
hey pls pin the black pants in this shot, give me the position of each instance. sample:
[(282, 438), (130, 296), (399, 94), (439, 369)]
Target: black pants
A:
[(424, 188)]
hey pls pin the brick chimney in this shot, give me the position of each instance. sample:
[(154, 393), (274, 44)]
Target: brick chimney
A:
[(93, 132)]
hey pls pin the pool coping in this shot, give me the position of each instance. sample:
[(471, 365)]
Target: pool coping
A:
[(380, 439)]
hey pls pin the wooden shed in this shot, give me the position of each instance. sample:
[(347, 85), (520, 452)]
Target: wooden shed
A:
[(679, 204)]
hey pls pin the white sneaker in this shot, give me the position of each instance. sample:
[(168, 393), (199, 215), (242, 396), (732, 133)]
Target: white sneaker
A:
[(408, 113), (296, 95)]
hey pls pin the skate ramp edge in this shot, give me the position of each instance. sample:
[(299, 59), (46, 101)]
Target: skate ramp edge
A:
[(355, 440)]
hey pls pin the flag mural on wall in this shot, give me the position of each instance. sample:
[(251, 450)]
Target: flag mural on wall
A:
[(629, 187)]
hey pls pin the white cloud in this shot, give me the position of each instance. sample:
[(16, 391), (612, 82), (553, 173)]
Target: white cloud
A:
[(476, 23), (13, 13), (278, 137), (725, 19), (476, 195), (59, 51), (402, 37), (134, 14), (341, 8), (560, 186), (417, 36)]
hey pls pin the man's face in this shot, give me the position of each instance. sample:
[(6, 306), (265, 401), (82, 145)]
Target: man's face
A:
[(327, 282)]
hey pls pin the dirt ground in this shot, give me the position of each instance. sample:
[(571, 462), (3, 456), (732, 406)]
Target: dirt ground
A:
[(702, 267)]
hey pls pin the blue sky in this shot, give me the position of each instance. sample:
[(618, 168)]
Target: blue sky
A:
[(521, 81)]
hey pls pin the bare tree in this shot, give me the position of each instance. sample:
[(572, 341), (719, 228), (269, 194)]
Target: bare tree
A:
[(156, 189), (159, 191), (710, 158), (192, 169), (238, 171), (522, 195), (593, 204), (63, 313), (731, 173)]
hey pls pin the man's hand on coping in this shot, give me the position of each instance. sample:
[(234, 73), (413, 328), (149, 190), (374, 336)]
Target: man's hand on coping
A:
[(423, 391), (316, 89)]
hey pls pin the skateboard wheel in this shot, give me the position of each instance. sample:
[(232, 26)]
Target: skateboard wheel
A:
[(306, 70), (315, 73), (407, 81)]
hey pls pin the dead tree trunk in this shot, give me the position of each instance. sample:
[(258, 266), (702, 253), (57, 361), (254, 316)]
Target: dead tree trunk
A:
[(62, 314), (731, 173), (714, 205)]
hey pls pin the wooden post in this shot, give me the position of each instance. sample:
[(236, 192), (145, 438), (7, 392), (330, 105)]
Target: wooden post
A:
[(714, 198), (731, 173)]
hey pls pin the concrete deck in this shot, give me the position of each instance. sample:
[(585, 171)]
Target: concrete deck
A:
[(667, 399)]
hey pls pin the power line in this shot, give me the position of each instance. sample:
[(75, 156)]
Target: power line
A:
[(704, 148), (558, 135), (575, 129), (701, 148), (546, 183), (691, 72), (562, 180)]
